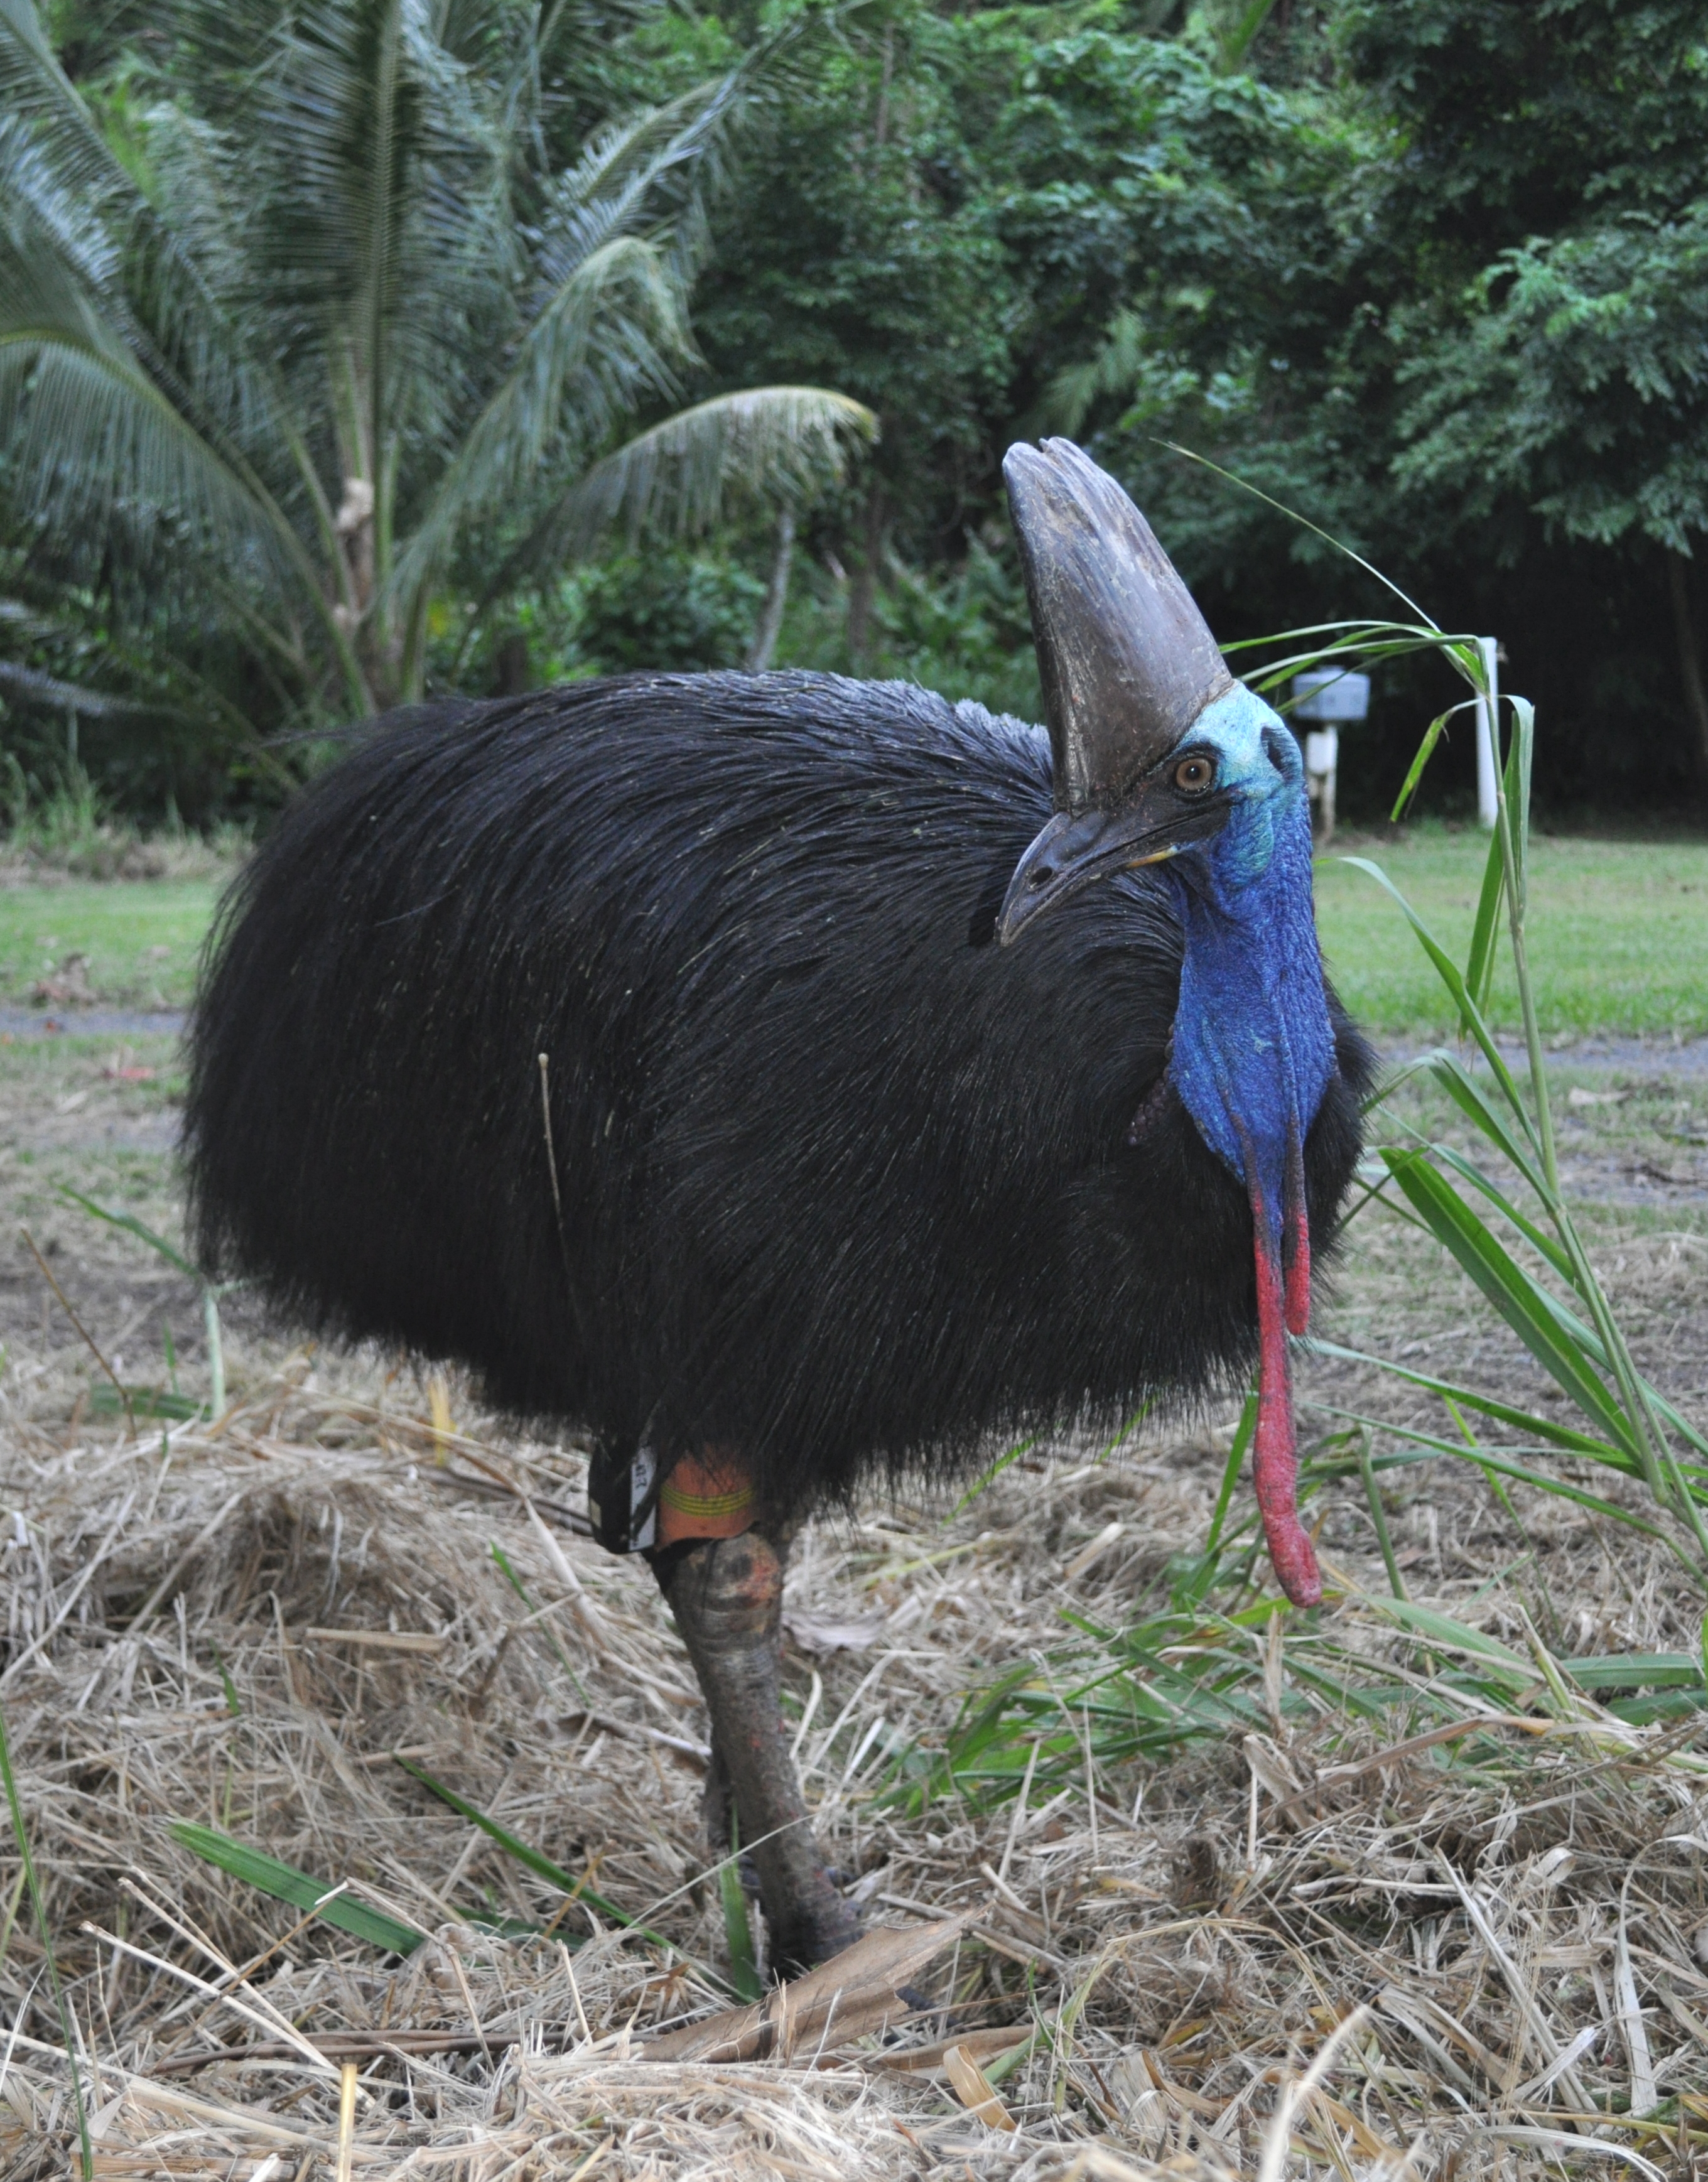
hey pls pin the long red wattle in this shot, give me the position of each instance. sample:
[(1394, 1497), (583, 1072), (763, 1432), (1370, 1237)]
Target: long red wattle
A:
[(1276, 1462), (1297, 1244)]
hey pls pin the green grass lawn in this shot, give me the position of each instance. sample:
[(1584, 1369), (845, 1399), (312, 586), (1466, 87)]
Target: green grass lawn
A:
[(1618, 932), (141, 938)]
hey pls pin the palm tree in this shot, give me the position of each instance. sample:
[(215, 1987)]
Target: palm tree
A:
[(332, 339)]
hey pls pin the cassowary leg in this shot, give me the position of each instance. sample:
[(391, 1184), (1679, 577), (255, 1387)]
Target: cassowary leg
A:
[(727, 1597)]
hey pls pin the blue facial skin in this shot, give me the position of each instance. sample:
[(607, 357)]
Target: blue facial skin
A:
[(1253, 1046)]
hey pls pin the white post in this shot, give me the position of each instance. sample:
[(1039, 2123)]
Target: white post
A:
[(1321, 760), (1488, 712)]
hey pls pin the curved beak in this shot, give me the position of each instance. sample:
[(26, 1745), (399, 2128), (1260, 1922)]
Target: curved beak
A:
[(1079, 847)]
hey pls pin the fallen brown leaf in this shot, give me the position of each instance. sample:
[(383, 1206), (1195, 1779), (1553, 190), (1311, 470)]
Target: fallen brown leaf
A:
[(856, 1993)]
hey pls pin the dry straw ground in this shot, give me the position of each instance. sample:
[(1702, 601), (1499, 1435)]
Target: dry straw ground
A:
[(1480, 1904)]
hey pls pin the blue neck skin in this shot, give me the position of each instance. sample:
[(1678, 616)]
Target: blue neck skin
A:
[(1253, 1046)]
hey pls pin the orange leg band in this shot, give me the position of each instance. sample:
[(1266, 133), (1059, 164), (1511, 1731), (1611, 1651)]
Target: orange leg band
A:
[(706, 1496)]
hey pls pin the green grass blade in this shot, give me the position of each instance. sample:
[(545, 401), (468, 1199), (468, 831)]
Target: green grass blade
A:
[(1558, 1435), (738, 1930), (1378, 1516), (1491, 1657), (1426, 750), (1351, 652), (233, 1703), (1507, 1464), (20, 1834), (1468, 1095), (1676, 1422), (1479, 964), (1538, 1240), (1479, 967), (133, 1225), (1230, 477), (988, 1478), (1544, 1428), (1636, 1670), (1351, 633), (1532, 1315), (1230, 1474), (531, 1859), (502, 1560), (1479, 973), (534, 1859), (1448, 971), (1127, 1430), (284, 1883), (1516, 780), (146, 1401)]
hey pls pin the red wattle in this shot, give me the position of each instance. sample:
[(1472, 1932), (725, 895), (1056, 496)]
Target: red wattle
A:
[(1275, 1466), (1298, 1241)]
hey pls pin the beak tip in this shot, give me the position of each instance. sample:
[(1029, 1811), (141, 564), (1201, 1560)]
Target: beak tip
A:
[(1016, 913)]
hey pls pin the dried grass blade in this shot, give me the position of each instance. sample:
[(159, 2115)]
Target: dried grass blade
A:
[(1278, 2135), (972, 2087), (1540, 2028), (151, 1605), (20, 1835), (85, 1575), (1645, 2096), (983, 2047), (272, 2024), (347, 2120), (856, 1993)]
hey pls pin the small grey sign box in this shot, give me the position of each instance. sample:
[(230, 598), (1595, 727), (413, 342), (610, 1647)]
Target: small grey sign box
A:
[(1327, 693)]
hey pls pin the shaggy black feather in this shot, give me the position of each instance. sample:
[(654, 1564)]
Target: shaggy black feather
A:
[(844, 1182)]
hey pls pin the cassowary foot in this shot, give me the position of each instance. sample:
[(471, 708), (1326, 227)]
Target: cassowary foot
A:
[(727, 1597)]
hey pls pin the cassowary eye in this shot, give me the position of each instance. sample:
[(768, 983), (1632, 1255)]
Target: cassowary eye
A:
[(1195, 774)]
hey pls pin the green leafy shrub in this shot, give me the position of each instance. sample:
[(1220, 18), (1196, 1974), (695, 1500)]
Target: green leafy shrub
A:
[(666, 610)]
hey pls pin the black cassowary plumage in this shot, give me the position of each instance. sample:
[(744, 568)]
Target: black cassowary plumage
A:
[(843, 1182)]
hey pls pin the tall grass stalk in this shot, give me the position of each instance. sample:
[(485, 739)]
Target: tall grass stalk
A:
[(211, 1291), (1634, 1428), (1193, 1670)]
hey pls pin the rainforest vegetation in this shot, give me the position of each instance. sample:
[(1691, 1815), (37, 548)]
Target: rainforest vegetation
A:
[(353, 351)]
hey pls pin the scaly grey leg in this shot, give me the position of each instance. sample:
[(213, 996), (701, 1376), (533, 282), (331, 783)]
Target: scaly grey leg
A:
[(727, 1597)]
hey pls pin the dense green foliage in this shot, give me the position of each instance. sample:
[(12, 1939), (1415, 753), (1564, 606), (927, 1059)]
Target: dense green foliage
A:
[(1432, 272), (317, 338)]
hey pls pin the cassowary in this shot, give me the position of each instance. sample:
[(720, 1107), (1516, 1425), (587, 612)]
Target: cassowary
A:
[(754, 1070)]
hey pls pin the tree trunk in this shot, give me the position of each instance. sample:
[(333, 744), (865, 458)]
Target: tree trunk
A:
[(776, 596), (865, 583), (1689, 657), (514, 671)]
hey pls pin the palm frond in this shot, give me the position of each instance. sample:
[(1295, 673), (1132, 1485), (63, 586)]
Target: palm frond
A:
[(787, 441), (669, 161), (95, 445), (35, 91), (381, 179), (56, 158), (605, 340), (345, 254), (628, 181), (30, 685)]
